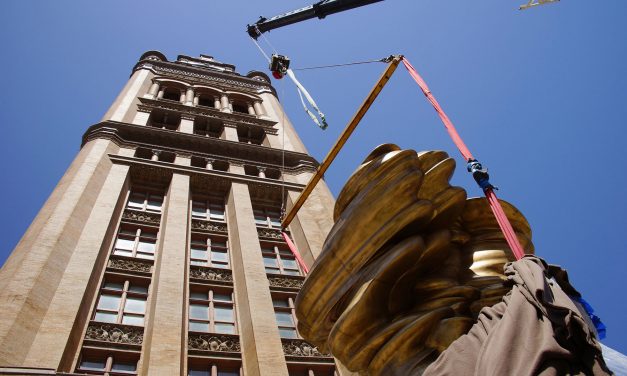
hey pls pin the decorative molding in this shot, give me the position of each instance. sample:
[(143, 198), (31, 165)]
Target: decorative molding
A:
[(129, 265), (301, 349), (146, 137), (229, 124), (210, 79), (184, 154), (214, 342), (211, 226), (236, 162), (154, 172), (291, 282), (210, 274), (141, 216), (107, 133), (115, 333), (269, 233), (160, 172)]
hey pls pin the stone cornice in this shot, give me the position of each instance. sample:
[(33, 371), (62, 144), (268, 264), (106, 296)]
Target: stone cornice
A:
[(148, 105), (194, 75), (133, 136)]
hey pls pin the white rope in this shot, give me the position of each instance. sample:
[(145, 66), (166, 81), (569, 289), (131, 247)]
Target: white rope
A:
[(260, 49), (283, 196)]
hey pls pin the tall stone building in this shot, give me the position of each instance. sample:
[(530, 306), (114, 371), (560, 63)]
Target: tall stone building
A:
[(159, 252)]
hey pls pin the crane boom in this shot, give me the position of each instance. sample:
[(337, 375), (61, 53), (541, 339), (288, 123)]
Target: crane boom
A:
[(320, 9)]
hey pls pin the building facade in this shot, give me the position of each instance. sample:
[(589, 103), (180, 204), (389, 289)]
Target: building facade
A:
[(160, 252)]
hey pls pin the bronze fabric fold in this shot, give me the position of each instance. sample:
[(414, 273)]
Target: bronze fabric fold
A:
[(535, 330)]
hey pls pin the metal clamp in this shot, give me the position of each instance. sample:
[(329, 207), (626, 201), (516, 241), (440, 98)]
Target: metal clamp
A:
[(480, 174)]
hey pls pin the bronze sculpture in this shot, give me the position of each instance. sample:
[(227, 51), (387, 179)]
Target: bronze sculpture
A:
[(407, 266)]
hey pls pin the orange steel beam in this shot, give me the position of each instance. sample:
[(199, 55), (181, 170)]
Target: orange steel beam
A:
[(346, 133)]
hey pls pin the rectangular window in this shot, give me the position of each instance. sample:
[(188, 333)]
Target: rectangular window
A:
[(211, 209), (135, 241), (116, 364), (311, 370), (278, 259), (212, 311), (265, 217), (209, 250), (218, 369), (285, 315), (122, 302), (145, 201)]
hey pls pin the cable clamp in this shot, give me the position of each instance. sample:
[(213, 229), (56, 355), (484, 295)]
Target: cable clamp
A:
[(480, 174)]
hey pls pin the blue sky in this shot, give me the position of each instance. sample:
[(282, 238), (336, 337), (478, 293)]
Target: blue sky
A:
[(539, 97)]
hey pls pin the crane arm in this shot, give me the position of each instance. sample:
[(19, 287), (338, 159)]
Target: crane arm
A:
[(320, 9)]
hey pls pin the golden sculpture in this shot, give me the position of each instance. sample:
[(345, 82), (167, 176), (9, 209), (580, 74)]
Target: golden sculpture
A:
[(407, 266)]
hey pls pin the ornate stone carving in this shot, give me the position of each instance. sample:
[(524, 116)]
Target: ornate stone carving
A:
[(285, 282), (198, 224), (214, 342), (140, 216), (144, 266), (209, 78), (115, 333), (300, 348), (269, 233), (151, 173), (211, 274)]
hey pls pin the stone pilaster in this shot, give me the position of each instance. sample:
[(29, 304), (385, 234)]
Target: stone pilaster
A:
[(141, 118), (76, 292), (125, 105), (230, 133), (262, 352), (313, 221), (187, 125), (164, 346), (32, 273)]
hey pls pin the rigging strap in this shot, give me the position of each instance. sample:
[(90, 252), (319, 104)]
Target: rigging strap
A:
[(321, 122), (475, 167), (295, 252)]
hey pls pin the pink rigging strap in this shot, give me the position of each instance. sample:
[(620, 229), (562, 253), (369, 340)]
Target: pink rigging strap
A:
[(495, 205)]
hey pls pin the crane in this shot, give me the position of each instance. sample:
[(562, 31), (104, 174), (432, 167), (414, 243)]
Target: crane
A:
[(321, 9)]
